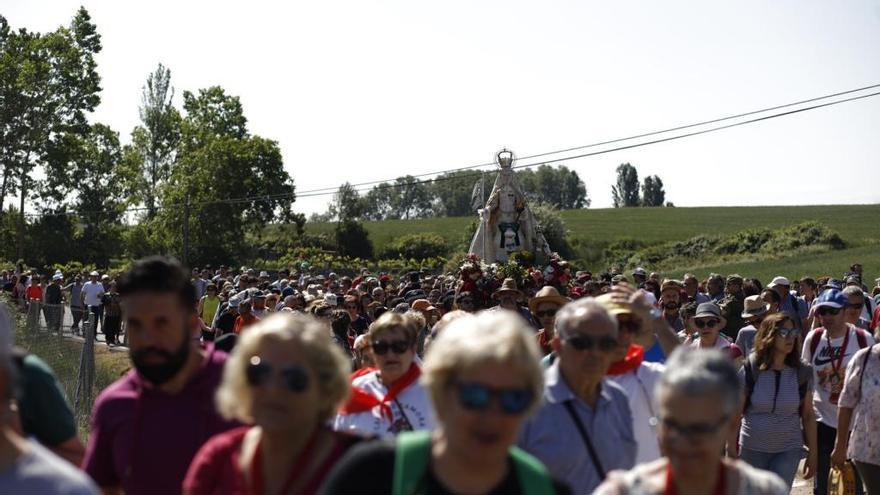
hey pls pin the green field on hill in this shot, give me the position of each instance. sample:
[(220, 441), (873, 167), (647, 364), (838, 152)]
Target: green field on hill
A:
[(857, 225)]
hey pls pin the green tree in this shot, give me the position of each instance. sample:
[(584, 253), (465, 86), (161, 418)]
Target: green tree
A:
[(154, 141), (410, 198), (553, 228), (452, 192), (652, 191), (352, 239), (218, 164), (557, 186), (626, 191), (346, 205), (49, 83)]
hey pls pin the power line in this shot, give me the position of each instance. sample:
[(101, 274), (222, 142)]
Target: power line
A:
[(388, 184)]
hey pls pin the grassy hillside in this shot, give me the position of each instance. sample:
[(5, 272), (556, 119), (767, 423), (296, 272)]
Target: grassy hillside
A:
[(858, 225)]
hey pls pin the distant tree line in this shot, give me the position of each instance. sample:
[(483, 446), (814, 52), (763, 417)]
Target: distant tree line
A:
[(625, 191)]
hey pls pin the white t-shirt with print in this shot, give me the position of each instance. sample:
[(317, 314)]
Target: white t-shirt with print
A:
[(827, 377), (639, 387), (412, 407)]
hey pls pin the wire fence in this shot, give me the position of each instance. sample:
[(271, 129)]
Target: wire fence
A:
[(72, 342)]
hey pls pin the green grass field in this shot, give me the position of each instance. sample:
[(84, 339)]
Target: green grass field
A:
[(858, 225)]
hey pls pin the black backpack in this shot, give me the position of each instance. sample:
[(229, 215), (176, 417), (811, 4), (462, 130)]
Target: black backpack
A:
[(750, 366)]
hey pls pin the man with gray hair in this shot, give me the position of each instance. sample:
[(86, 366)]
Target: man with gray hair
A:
[(854, 312), (584, 429), (25, 465)]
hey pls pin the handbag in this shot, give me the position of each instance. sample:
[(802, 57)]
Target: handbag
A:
[(842, 481)]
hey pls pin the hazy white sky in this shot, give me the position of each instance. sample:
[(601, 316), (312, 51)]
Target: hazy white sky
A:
[(364, 90)]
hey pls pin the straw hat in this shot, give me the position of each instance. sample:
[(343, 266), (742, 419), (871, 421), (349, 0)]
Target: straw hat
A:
[(507, 287), (548, 293)]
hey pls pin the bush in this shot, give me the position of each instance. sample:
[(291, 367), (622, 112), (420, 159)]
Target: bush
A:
[(803, 235), (353, 240), (418, 246), (744, 242), (553, 227)]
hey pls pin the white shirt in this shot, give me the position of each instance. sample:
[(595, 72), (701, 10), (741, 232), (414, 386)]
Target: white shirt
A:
[(92, 293), (639, 387), (828, 381), (411, 405)]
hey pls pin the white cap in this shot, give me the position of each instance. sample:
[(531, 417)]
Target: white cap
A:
[(330, 299), (779, 281), (94, 274), (57, 276)]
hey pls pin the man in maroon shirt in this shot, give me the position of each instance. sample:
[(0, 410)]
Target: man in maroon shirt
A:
[(148, 425)]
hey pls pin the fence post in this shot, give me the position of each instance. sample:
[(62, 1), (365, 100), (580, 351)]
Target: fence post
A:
[(85, 378)]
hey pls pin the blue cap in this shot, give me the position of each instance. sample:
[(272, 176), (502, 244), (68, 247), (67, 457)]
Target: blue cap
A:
[(831, 298)]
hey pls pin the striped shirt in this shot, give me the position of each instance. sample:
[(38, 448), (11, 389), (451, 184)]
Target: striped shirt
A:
[(772, 422)]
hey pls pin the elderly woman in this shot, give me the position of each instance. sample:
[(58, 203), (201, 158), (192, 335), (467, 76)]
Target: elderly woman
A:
[(388, 400), (285, 378), (778, 415), (699, 399), (484, 379), (709, 323)]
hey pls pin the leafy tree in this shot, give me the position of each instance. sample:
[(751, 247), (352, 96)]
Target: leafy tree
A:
[(48, 83), (154, 142), (553, 228), (346, 205), (219, 162), (452, 192), (652, 191), (410, 198), (557, 186), (376, 204), (416, 246), (352, 239), (626, 191)]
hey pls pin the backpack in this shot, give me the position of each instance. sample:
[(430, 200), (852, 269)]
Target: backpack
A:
[(414, 451), (861, 337), (804, 373)]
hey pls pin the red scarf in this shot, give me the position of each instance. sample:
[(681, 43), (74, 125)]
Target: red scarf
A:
[(363, 401), (633, 360)]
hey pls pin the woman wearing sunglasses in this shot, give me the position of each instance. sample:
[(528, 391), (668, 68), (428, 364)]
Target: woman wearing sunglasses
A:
[(389, 399), (484, 379), (709, 322), (778, 413), (699, 396), (285, 378)]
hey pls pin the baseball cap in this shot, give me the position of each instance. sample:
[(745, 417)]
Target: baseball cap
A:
[(779, 281), (831, 298), (57, 276), (640, 271), (94, 274), (234, 302)]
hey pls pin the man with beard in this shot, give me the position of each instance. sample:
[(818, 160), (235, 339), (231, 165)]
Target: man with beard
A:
[(148, 425), (732, 305), (670, 301)]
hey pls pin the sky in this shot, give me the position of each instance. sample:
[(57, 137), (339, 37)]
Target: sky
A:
[(367, 90)]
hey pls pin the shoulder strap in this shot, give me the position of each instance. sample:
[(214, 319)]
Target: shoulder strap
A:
[(804, 373), (410, 461), (864, 366), (532, 475), (862, 337), (814, 341), (569, 406), (751, 371)]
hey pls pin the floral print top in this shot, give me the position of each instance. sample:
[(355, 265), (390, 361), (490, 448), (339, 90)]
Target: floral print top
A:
[(864, 444)]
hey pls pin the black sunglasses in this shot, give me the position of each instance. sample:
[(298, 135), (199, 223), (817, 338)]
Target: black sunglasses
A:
[(478, 397), (631, 326), (694, 430), (826, 310), (381, 347), (585, 342), (711, 322), (294, 377), (546, 313)]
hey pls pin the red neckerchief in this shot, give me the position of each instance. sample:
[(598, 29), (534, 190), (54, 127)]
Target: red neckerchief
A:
[(634, 357), (543, 342), (363, 401), (299, 465), (719, 485)]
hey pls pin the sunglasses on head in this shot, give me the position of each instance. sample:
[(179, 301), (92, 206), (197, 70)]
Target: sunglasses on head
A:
[(478, 397), (825, 310), (784, 332), (585, 342), (382, 347), (710, 323), (293, 377), (546, 313)]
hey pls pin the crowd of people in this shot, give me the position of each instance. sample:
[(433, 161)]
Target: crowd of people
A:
[(305, 381)]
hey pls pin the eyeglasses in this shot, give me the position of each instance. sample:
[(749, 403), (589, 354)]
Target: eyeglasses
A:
[(710, 323), (784, 332), (381, 347), (477, 397), (585, 342), (546, 313), (294, 377), (694, 431), (826, 310)]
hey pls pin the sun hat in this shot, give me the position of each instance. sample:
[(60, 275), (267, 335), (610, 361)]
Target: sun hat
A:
[(640, 272), (710, 310), (234, 302), (614, 307), (779, 281), (508, 286), (671, 284), (548, 293), (754, 306)]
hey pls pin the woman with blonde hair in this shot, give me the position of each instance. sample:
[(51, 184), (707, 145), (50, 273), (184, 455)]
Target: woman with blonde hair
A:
[(778, 414), (484, 379), (285, 379), (388, 399)]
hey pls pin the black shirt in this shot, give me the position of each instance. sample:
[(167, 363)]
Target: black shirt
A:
[(53, 294), (368, 469)]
